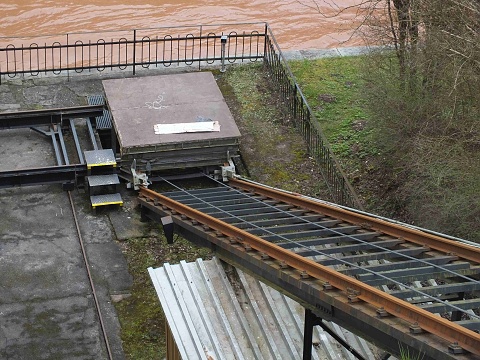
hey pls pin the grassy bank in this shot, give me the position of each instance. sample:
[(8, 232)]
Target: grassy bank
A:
[(415, 172), (333, 89)]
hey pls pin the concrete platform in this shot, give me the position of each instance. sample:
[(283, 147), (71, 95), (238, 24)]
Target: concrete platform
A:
[(46, 307), (137, 104)]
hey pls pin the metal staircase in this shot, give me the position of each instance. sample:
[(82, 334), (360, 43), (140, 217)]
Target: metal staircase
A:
[(102, 179)]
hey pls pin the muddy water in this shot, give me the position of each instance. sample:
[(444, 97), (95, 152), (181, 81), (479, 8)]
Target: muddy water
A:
[(296, 24)]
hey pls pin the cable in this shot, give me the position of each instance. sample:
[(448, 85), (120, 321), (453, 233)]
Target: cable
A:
[(352, 238)]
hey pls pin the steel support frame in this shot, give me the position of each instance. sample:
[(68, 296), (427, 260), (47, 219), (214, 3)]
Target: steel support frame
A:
[(42, 176), (26, 119), (312, 320), (330, 305), (93, 140)]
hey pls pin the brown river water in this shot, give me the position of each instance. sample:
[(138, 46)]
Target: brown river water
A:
[(296, 24)]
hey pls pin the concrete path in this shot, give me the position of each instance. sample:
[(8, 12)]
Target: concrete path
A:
[(46, 306)]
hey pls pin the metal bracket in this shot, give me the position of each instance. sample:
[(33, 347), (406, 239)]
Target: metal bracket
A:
[(228, 171), (139, 179)]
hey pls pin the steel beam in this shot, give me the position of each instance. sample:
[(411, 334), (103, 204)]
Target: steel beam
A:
[(461, 304), (76, 141), (374, 245), (382, 255), (411, 274), (438, 290), (315, 233), (29, 118), (261, 222), (42, 176), (62, 145), (332, 240), (305, 227), (259, 211), (55, 148), (93, 140), (398, 265)]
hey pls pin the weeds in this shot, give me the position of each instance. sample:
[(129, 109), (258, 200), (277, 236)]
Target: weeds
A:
[(141, 316), (405, 354)]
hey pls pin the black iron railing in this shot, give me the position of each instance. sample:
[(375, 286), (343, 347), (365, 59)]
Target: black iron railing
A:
[(202, 45), (131, 50), (305, 122)]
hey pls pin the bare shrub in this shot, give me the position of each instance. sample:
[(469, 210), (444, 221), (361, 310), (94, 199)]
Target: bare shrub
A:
[(423, 94)]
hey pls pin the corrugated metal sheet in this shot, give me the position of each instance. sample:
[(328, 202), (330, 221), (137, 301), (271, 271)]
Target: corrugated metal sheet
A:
[(222, 313)]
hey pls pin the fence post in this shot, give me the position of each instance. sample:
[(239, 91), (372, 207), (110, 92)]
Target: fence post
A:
[(223, 41), (134, 49), (265, 43), (294, 101), (68, 61), (200, 54)]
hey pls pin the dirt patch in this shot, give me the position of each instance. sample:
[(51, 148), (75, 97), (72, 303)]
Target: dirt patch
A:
[(274, 152)]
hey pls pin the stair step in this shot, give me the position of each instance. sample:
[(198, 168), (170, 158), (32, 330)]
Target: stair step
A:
[(103, 180), (104, 157), (106, 199)]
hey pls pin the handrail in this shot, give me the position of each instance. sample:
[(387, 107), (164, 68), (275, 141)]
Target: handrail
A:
[(129, 49)]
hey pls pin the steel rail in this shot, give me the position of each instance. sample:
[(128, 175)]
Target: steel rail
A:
[(462, 250), (90, 279), (465, 338)]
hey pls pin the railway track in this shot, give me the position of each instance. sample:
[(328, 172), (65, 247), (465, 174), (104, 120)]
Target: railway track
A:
[(389, 283), (90, 280)]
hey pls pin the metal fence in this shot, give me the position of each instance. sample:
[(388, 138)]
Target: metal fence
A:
[(202, 45), (305, 122), (131, 49)]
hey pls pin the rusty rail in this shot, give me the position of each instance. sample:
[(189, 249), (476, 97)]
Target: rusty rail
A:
[(465, 338), (416, 236)]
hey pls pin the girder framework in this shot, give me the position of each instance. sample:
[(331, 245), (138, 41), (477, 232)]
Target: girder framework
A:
[(292, 243), (52, 123), (28, 118)]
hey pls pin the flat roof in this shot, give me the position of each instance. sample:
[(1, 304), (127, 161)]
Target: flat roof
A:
[(137, 104)]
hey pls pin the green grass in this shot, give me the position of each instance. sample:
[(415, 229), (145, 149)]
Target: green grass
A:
[(405, 353), (401, 167), (332, 87)]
